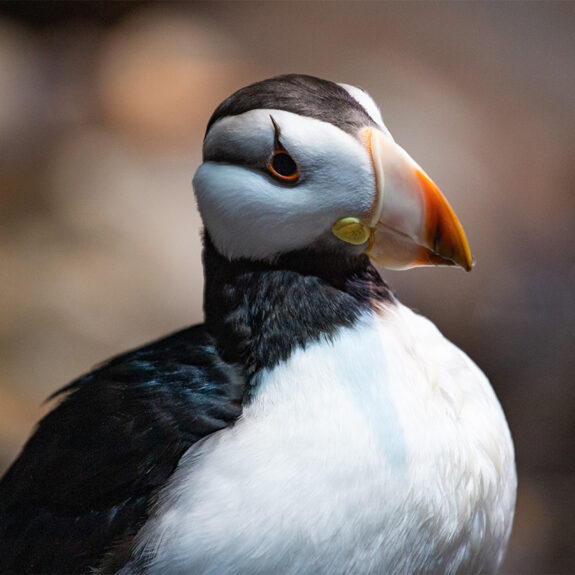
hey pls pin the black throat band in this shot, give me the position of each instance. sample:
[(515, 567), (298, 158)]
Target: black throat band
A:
[(259, 312)]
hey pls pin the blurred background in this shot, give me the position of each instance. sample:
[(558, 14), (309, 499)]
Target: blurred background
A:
[(102, 113)]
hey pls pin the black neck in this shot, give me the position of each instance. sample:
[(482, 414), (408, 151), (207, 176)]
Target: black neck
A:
[(259, 312)]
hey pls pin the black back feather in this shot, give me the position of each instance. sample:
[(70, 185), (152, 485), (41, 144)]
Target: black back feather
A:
[(85, 478)]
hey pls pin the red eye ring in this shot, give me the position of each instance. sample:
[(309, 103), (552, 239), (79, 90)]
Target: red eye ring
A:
[(283, 167)]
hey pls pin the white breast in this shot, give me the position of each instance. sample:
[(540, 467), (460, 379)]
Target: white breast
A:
[(384, 450)]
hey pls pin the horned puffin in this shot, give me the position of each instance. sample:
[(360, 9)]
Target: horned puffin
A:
[(312, 423)]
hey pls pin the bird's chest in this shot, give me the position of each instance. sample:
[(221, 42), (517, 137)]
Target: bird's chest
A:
[(381, 450)]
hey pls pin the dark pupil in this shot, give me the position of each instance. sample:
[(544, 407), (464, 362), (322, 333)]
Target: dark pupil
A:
[(284, 165)]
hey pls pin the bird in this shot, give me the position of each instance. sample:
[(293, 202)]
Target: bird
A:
[(312, 423)]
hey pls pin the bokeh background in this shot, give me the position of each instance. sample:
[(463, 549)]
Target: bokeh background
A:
[(102, 112)]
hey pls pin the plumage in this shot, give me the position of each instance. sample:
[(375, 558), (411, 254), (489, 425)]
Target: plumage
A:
[(312, 424), (85, 477)]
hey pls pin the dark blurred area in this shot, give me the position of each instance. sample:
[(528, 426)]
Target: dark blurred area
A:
[(102, 111)]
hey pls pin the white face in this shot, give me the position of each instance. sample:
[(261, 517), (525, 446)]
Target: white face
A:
[(250, 213)]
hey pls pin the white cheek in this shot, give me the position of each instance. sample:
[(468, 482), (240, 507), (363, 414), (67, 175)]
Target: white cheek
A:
[(245, 214), (251, 216)]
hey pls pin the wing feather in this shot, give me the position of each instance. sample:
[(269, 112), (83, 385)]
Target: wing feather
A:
[(85, 478)]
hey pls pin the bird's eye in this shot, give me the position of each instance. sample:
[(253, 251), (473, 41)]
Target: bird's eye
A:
[(283, 167)]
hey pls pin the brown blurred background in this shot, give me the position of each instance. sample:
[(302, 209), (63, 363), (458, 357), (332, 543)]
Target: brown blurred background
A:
[(102, 112)]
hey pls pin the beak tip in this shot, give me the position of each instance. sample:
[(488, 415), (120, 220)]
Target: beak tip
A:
[(463, 259), (467, 260)]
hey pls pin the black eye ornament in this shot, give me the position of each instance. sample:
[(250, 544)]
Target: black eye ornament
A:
[(281, 165)]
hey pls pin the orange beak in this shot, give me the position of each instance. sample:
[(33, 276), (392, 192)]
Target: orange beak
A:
[(411, 222)]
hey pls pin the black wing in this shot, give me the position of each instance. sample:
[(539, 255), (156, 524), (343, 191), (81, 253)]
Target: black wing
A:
[(84, 480)]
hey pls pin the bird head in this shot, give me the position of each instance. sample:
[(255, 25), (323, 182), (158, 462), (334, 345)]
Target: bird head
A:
[(295, 162)]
